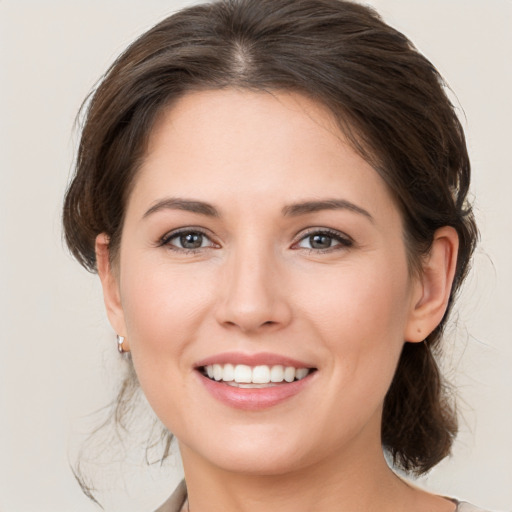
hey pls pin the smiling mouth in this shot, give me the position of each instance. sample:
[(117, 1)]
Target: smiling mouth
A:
[(250, 377)]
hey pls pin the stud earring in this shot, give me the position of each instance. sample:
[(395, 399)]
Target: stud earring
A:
[(120, 341)]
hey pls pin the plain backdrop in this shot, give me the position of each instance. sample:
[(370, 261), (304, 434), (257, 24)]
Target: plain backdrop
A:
[(58, 361)]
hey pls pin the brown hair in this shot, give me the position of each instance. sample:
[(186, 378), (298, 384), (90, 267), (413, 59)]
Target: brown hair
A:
[(389, 101)]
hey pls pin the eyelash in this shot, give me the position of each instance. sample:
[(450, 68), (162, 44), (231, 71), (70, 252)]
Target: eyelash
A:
[(166, 240), (344, 242)]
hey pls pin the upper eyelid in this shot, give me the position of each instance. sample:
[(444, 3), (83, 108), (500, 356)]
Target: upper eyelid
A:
[(297, 238), (186, 229), (323, 230), (179, 231)]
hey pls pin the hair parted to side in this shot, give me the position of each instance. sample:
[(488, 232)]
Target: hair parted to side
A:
[(389, 101)]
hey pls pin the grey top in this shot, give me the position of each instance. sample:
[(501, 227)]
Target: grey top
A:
[(467, 507), (177, 499), (179, 496)]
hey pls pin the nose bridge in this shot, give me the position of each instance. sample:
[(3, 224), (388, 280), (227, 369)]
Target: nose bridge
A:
[(253, 287)]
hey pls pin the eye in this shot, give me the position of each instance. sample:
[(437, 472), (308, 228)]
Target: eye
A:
[(187, 240), (324, 240)]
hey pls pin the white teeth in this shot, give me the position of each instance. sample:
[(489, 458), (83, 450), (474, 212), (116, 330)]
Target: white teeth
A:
[(301, 373), (228, 373), (277, 373), (289, 374), (257, 376), (261, 375), (243, 373), (217, 372)]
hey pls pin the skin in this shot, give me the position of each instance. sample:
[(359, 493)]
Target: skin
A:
[(258, 284)]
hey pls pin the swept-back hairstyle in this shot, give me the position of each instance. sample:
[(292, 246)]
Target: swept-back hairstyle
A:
[(388, 100)]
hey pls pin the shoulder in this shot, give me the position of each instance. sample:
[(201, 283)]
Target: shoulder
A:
[(462, 506), (176, 501)]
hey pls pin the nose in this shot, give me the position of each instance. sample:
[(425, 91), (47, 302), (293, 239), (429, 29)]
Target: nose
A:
[(254, 295)]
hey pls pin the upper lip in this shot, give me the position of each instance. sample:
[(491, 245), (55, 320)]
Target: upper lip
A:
[(261, 358)]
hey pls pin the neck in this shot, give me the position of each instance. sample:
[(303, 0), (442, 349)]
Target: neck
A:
[(355, 479)]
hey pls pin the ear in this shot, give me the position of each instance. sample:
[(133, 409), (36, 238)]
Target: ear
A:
[(432, 290), (110, 283)]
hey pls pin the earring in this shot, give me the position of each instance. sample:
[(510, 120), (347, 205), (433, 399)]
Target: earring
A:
[(120, 341)]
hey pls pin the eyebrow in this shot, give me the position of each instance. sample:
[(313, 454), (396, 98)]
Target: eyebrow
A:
[(292, 210), (306, 207), (176, 203)]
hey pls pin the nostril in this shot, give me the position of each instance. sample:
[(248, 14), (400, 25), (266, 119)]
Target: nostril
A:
[(247, 324)]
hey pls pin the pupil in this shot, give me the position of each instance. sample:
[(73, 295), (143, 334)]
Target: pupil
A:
[(320, 241), (191, 240)]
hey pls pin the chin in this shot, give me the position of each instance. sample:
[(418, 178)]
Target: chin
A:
[(256, 463), (263, 455)]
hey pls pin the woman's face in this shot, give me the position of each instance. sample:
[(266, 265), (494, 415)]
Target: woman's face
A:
[(257, 240)]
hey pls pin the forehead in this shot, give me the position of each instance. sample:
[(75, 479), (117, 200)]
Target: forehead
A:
[(231, 145), (240, 126)]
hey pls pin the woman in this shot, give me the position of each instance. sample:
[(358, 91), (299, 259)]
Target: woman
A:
[(273, 193)]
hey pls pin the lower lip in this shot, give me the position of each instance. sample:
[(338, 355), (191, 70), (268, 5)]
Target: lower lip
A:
[(253, 399)]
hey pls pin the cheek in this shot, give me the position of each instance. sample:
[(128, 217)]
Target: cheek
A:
[(163, 310), (361, 327), (162, 322), (159, 300), (360, 314), (364, 301)]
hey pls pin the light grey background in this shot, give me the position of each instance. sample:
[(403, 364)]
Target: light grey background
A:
[(57, 356)]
